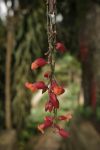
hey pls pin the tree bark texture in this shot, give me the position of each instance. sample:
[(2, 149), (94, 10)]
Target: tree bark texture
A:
[(90, 40), (10, 41)]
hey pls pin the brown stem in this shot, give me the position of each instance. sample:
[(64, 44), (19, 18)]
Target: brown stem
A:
[(51, 31)]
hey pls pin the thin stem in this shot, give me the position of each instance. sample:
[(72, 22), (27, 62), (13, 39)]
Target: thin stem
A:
[(51, 32)]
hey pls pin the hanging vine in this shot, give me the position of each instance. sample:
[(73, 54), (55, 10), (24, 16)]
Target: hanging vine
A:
[(52, 86)]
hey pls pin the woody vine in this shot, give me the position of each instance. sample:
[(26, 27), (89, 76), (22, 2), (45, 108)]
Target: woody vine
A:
[(52, 86)]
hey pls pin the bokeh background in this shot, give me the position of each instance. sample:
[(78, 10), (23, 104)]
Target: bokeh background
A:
[(23, 38)]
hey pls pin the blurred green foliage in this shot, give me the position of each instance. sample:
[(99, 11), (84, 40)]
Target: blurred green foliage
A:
[(98, 113)]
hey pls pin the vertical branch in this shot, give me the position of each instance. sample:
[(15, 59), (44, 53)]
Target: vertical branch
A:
[(8, 120), (51, 30)]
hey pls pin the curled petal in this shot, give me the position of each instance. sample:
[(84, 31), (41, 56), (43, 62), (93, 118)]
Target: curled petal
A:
[(40, 85), (62, 118), (41, 128), (54, 100), (66, 117), (38, 63), (34, 66), (60, 47), (58, 90), (63, 133)]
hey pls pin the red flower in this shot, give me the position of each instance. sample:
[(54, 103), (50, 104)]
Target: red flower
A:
[(54, 100), (35, 86), (47, 74), (39, 62), (58, 90), (48, 106), (66, 117), (48, 121), (30, 86), (40, 85), (60, 47), (63, 133)]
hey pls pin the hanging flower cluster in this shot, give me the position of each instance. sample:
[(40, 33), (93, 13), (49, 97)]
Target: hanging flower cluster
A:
[(52, 87), (52, 105)]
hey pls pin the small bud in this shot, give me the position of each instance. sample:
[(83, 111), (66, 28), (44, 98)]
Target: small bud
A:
[(60, 47)]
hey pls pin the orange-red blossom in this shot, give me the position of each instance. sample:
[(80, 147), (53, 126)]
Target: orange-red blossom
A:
[(39, 62), (36, 86), (53, 91), (58, 90)]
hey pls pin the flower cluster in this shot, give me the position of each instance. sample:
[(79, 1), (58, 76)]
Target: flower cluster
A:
[(54, 90), (50, 122)]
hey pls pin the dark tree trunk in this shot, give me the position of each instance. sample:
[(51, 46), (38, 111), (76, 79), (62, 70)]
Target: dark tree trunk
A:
[(90, 56)]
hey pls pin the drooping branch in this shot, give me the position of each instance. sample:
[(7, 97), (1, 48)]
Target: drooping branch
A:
[(52, 87)]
